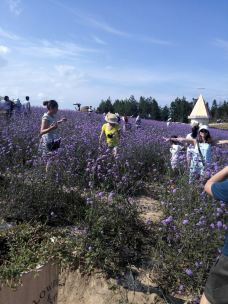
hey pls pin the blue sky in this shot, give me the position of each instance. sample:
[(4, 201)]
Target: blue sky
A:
[(86, 50)]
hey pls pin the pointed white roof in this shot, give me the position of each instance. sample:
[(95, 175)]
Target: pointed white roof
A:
[(200, 109)]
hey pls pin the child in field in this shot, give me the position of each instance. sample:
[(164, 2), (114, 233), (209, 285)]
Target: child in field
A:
[(175, 151), (111, 130)]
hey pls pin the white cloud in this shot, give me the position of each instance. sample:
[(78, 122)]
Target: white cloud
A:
[(8, 35), (107, 28), (89, 84), (93, 22), (155, 41), (222, 43), (4, 50), (57, 49), (99, 41), (15, 6)]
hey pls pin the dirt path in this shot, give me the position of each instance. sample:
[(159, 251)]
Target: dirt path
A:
[(150, 209)]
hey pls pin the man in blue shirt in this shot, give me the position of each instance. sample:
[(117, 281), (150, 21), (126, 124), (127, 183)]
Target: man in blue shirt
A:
[(216, 290)]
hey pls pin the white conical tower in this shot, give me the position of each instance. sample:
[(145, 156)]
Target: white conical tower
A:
[(200, 112)]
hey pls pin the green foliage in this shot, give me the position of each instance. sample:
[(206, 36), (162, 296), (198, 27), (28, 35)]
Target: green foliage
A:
[(116, 236), (105, 106), (24, 247), (188, 239), (40, 198), (180, 109)]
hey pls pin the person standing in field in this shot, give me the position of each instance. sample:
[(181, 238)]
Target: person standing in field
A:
[(168, 122), (190, 147), (27, 105), (138, 122), (9, 106), (216, 290), (111, 130), (50, 139), (175, 151)]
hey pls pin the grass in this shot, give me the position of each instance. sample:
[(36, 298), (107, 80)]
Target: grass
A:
[(223, 126)]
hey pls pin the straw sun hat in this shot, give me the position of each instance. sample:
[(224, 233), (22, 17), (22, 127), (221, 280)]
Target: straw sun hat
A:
[(111, 118)]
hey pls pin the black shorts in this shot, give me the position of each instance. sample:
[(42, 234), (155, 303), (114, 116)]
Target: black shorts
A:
[(216, 290)]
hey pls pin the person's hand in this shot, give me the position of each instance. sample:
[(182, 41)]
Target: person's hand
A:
[(166, 139), (53, 126), (63, 119)]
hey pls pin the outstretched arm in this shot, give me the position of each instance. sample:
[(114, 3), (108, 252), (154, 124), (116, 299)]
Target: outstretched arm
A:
[(181, 139), (221, 142)]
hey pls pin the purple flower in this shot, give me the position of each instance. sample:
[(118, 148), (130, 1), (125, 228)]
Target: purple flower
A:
[(168, 220), (149, 222), (212, 226), (101, 194), (111, 195), (189, 272), (89, 201), (185, 222), (219, 224)]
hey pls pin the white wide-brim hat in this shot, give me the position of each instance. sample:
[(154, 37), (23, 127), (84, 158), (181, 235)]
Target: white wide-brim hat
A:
[(203, 127), (111, 118)]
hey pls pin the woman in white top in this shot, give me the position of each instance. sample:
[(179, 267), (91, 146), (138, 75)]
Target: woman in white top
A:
[(175, 151), (192, 135), (50, 140)]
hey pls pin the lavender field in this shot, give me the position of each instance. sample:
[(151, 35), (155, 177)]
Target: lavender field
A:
[(88, 201)]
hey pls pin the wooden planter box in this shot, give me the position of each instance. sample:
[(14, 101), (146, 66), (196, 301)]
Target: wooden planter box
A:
[(38, 287)]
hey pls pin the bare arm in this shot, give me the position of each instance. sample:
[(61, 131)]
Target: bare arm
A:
[(45, 127), (61, 120), (101, 135), (182, 140), (221, 142), (218, 177)]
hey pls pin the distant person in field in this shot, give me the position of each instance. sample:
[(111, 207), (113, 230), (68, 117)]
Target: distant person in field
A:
[(168, 122), (90, 110), (111, 131), (216, 290), (138, 122), (127, 125), (118, 117), (9, 106), (27, 105), (50, 139), (202, 155), (192, 135), (18, 106)]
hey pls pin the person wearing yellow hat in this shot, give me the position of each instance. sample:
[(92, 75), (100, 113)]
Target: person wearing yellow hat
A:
[(111, 130)]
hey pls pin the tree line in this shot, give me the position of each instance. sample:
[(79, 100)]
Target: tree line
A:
[(148, 107)]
